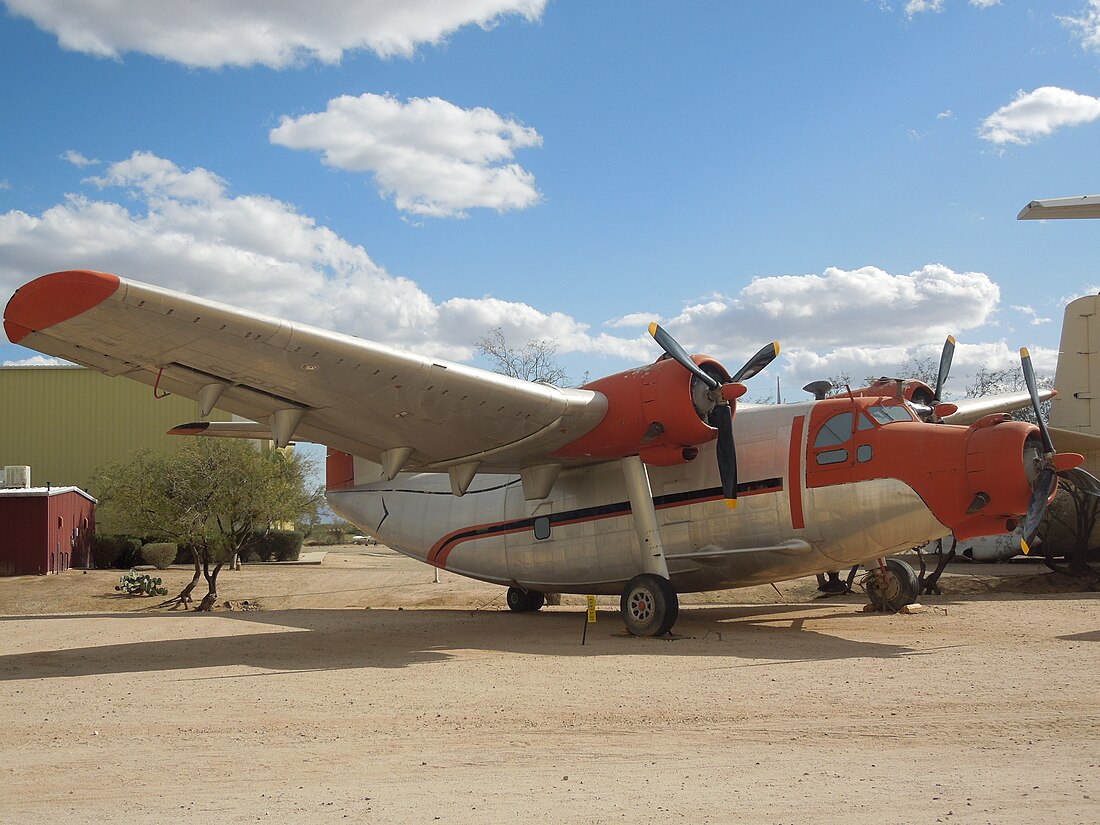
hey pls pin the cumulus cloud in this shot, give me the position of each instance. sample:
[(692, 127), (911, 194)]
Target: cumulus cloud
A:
[(863, 322), (275, 33), (922, 6), (189, 232), (433, 157), (147, 218), (1037, 114), (77, 159), (38, 361), (1086, 26)]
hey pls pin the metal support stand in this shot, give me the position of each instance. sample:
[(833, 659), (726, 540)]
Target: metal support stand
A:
[(645, 516)]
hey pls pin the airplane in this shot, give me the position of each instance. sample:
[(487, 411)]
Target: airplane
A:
[(645, 484)]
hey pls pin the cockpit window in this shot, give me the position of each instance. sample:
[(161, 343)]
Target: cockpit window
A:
[(888, 415), (837, 430)]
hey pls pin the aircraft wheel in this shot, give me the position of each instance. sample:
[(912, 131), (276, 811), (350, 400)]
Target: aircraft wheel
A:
[(649, 605), (524, 601), (891, 590)]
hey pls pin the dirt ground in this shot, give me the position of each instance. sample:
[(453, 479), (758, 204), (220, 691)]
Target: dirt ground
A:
[(360, 690)]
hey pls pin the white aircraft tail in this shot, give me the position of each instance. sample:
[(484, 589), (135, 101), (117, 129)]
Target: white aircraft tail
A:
[(1075, 410)]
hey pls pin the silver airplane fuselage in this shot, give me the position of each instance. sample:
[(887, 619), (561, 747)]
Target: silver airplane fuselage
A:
[(806, 504)]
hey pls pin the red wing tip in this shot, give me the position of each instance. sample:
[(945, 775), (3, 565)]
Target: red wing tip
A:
[(53, 298)]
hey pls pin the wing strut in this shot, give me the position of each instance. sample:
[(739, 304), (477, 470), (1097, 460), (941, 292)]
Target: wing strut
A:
[(645, 516)]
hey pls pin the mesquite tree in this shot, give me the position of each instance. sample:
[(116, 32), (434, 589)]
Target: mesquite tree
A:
[(211, 495)]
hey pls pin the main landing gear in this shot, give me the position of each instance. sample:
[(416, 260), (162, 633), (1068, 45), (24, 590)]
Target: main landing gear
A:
[(525, 601), (649, 605), (890, 585)]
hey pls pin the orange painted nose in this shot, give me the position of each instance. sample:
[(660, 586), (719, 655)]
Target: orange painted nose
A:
[(1002, 459)]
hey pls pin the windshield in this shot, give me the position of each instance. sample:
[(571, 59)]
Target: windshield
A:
[(888, 415)]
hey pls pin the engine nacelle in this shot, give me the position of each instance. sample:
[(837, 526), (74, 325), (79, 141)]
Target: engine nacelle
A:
[(657, 412)]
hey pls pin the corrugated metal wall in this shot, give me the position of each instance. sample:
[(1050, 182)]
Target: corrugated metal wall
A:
[(64, 422)]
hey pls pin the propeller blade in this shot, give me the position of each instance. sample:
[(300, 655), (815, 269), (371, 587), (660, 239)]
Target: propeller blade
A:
[(766, 355), (1037, 505), (721, 418), (945, 365), (671, 346), (1033, 390)]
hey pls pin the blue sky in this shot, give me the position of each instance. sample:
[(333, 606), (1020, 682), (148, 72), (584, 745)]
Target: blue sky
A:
[(842, 176)]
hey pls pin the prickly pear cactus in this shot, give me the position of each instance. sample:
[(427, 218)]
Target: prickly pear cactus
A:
[(140, 584)]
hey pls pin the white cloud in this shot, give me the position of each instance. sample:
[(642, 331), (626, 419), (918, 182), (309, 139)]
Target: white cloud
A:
[(38, 361), (985, 4), (190, 233), (1037, 114), (947, 114), (4, 184), (77, 159), (829, 310), (186, 230), (433, 157), (275, 33), (1034, 319), (1087, 25), (922, 6)]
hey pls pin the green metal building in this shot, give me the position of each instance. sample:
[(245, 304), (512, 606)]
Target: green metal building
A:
[(64, 422)]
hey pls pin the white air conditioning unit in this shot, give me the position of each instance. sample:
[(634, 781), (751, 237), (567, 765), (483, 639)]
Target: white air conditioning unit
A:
[(17, 476)]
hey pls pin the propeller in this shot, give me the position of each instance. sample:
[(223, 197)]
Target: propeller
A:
[(1046, 480), (945, 366), (720, 394)]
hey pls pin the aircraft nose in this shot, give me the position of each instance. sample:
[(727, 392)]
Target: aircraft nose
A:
[(1002, 462)]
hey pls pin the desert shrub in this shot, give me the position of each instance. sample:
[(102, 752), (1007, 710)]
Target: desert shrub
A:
[(277, 545), (160, 554), (131, 553), (106, 550)]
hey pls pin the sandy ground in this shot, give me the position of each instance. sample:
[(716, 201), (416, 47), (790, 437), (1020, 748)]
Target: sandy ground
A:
[(363, 691)]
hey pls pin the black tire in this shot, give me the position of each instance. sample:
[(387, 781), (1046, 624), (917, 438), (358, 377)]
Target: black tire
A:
[(649, 605), (899, 589), (524, 601)]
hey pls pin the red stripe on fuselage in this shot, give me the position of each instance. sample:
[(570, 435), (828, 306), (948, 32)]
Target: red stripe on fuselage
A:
[(437, 556), (794, 473)]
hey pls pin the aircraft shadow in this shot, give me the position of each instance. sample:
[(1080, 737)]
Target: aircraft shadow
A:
[(317, 639)]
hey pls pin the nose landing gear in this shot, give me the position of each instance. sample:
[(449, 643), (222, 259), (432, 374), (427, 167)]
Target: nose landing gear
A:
[(890, 585)]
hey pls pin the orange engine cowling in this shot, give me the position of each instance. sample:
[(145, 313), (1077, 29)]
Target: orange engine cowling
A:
[(657, 412)]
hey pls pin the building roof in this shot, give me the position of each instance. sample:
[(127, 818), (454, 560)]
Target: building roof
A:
[(26, 492)]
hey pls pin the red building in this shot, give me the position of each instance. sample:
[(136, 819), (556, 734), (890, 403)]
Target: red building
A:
[(45, 530)]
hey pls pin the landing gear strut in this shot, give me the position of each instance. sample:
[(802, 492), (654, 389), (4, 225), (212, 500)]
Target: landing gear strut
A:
[(891, 585), (649, 605)]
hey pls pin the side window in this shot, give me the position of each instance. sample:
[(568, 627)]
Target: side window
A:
[(832, 457), (865, 423), (542, 528), (863, 453), (837, 430)]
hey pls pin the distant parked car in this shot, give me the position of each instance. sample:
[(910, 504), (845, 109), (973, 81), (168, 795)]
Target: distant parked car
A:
[(366, 541)]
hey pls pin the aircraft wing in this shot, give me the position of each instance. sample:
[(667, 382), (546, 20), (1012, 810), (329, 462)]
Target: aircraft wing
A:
[(1085, 206), (971, 409), (358, 396)]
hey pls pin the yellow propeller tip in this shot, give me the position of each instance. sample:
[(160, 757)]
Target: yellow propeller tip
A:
[(776, 345), (951, 338), (731, 503), (1024, 547), (1024, 353), (653, 328)]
